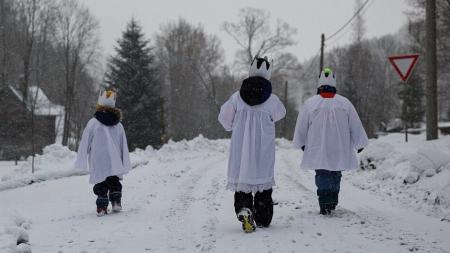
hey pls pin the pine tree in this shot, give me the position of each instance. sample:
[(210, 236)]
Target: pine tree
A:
[(133, 74), (412, 94)]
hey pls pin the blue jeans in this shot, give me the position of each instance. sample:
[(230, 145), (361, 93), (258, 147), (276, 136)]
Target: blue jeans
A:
[(328, 185)]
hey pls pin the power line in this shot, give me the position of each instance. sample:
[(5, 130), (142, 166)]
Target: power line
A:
[(336, 39), (349, 21)]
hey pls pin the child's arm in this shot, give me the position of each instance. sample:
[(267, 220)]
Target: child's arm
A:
[(358, 135), (301, 129), (84, 148), (125, 153), (279, 111), (227, 112)]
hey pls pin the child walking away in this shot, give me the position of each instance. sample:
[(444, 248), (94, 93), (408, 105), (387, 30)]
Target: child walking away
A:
[(250, 114), (104, 147), (329, 132)]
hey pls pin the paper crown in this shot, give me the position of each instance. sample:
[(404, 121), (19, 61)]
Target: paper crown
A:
[(327, 77), (261, 67), (107, 98)]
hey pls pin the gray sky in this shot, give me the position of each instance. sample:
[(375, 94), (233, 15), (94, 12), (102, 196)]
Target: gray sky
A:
[(310, 18)]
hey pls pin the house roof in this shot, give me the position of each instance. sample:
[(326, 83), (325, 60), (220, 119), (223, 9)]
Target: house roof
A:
[(42, 105)]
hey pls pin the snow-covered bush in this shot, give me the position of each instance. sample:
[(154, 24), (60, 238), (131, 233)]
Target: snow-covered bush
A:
[(14, 238), (416, 172)]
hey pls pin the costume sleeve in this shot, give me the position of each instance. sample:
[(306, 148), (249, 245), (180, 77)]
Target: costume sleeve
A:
[(227, 112), (279, 111), (85, 148), (301, 128), (125, 153), (358, 135)]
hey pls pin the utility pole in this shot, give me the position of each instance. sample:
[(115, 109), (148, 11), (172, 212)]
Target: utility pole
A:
[(322, 45), (431, 72), (286, 100)]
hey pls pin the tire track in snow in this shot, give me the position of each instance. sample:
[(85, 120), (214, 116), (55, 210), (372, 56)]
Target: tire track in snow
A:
[(196, 192), (373, 227)]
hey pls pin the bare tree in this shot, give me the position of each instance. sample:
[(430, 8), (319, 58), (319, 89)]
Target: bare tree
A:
[(77, 31), (359, 28), (255, 36), (45, 28), (34, 18), (252, 32), (190, 61), (27, 15), (5, 24), (417, 16)]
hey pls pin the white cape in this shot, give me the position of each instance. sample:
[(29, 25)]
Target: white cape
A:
[(252, 151), (104, 150), (331, 132)]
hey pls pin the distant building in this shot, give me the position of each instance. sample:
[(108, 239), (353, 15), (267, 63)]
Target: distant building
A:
[(16, 122)]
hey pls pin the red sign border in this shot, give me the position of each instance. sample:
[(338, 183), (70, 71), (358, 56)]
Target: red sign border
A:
[(411, 67)]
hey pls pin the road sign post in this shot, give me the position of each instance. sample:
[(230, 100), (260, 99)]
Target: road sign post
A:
[(404, 65)]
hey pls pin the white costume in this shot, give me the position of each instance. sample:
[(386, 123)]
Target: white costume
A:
[(103, 149), (331, 132), (252, 152)]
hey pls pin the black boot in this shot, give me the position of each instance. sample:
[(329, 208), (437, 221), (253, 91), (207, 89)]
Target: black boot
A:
[(263, 208), (115, 193), (243, 206), (102, 205), (101, 190), (325, 211), (116, 202), (246, 217)]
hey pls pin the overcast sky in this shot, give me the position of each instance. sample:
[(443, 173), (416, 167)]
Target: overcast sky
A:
[(309, 17)]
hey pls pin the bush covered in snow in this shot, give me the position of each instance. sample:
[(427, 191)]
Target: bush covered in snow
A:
[(417, 173), (14, 237)]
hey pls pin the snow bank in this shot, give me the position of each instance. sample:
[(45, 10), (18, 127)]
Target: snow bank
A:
[(55, 162), (199, 143), (14, 237), (416, 173)]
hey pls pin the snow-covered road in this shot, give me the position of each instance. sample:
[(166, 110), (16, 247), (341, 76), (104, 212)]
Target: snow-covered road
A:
[(176, 202)]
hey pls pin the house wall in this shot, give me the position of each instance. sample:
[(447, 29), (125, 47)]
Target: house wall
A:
[(15, 129)]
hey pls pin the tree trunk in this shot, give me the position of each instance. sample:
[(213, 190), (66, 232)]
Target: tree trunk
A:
[(431, 69)]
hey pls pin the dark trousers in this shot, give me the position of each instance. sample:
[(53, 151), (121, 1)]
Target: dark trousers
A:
[(261, 205), (112, 186), (328, 186)]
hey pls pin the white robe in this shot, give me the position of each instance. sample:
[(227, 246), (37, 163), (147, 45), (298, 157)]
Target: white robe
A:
[(331, 132), (252, 152), (104, 150)]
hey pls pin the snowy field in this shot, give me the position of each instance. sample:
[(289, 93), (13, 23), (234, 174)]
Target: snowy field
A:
[(175, 201)]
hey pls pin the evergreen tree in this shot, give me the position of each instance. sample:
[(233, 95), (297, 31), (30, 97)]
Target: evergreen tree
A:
[(411, 95), (133, 74)]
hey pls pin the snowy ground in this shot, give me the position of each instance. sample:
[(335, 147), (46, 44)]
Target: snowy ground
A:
[(175, 201)]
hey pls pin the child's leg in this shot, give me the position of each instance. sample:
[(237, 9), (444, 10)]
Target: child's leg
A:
[(243, 206), (115, 192), (263, 208), (242, 200), (101, 190), (337, 187), (328, 185)]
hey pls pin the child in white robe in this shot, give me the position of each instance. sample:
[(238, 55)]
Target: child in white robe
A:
[(104, 150), (251, 114), (330, 133)]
